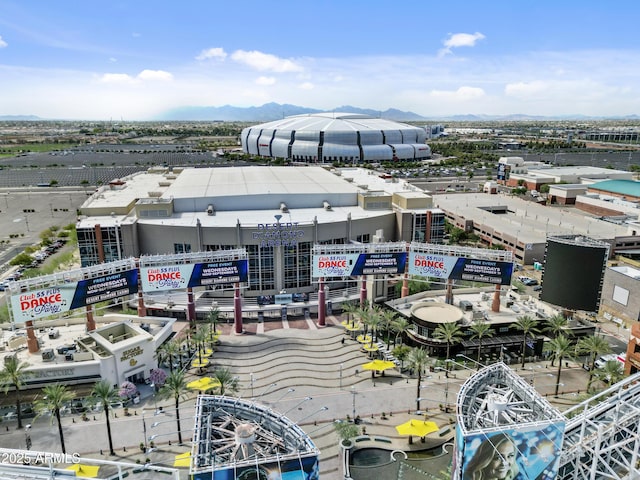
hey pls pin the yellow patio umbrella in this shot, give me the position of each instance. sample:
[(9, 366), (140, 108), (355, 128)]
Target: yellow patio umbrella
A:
[(353, 327), (182, 460), (199, 363), (82, 470), (371, 347), (207, 352), (203, 384), (364, 338), (378, 365), (419, 428)]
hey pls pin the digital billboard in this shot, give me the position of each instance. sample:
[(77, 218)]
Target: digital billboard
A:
[(186, 275), (42, 303), (300, 468), (460, 268), (521, 452), (348, 264)]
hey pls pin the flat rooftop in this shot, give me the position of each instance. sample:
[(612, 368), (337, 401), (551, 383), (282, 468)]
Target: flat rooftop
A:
[(527, 221)]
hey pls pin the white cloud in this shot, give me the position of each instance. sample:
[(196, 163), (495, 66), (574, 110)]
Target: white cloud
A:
[(215, 53), (113, 59), (462, 94), (117, 78), (3, 43), (524, 89), (306, 86), (126, 79), (457, 40), (265, 81), (265, 61), (155, 75)]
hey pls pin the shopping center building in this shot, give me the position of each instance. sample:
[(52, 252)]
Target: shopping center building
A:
[(276, 213)]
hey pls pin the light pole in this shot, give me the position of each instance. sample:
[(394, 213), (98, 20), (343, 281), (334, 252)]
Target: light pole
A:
[(265, 391), (144, 431), (353, 394), (27, 437), (312, 414)]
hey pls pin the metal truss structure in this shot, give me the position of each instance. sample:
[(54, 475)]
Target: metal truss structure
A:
[(231, 433), (602, 435)]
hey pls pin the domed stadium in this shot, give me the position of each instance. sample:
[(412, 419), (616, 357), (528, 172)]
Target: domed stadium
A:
[(336, 137)]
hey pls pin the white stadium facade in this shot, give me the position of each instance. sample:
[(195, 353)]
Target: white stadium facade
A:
[(336, 137)]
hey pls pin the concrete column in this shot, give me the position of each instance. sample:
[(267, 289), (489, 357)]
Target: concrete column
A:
[(449, 295), (405, 286), (142, 310), (363, 291), (91, 323), (237, 309), (32, 341), (495, 305), (322, 303), (191, 309)]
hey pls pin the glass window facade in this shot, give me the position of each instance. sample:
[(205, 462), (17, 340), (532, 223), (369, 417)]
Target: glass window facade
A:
[(88, 245), (261, 272), (297, 268)]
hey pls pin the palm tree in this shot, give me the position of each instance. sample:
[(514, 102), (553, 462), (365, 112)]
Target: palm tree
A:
[(611, 372), (400, 326), (212, 318), (401, 352), (388, 317), (373, 321), (559, 348), (228, 382), (346, 430), (480, 330), (350, 309), (14, 375), (175, 386), (449, 333), (56, 396), (417, 361), (593, 346), (199, 337), (556, 325), (527, 325), (105, 394)]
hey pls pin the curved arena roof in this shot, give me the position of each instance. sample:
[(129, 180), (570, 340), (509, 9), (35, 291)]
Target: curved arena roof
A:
[(330, 137)]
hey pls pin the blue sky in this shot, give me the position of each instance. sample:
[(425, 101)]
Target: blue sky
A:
[(137, 59)]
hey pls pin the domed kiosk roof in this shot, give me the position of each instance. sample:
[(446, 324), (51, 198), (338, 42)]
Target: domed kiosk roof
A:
[(334, 136), (436, 313)]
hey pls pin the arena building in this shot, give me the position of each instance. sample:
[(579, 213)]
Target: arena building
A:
[(336, 137), (276, 213)]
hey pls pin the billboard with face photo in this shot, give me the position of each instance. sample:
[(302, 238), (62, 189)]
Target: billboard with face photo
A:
[(531, 452)]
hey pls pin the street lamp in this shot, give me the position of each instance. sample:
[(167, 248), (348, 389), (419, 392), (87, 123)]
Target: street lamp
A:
[(353, 394), (27, 437), (290, 390), (305, 399), (312, 414), (265, 391)]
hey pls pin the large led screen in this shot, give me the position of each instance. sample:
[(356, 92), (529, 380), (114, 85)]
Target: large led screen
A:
[(573, 274)]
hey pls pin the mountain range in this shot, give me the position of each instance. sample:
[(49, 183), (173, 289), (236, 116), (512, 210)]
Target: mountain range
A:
[(274, 111)]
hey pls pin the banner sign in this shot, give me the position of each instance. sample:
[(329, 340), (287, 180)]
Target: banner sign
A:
[(460, 268), (51, 301), (173, 277), (345, 265)]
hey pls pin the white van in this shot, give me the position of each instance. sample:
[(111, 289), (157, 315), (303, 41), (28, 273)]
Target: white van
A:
[(600, 361)]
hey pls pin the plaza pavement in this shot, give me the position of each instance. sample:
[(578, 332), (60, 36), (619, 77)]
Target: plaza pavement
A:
[(282, 365)]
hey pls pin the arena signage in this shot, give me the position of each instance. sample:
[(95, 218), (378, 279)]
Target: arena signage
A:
[(172, 277), (278, 234), (35, 304), (460, 268), (344, 265)]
